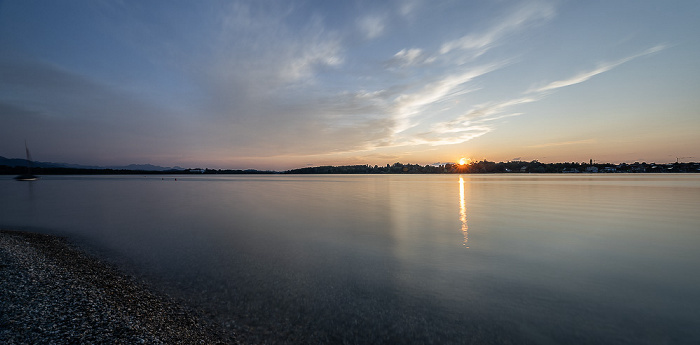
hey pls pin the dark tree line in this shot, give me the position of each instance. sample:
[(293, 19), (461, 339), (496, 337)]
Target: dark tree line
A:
[(486, 167)]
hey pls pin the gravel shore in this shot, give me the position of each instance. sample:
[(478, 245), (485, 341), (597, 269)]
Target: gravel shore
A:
[(53, 293)]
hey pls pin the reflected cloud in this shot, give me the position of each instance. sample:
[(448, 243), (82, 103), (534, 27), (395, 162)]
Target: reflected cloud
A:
[(463, 213)]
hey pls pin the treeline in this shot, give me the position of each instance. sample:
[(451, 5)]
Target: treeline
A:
[(486, 167)]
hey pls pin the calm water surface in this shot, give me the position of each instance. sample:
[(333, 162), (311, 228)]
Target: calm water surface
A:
[(398, 258)]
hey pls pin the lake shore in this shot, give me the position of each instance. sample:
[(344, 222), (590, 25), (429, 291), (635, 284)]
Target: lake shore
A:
[(52, 292)]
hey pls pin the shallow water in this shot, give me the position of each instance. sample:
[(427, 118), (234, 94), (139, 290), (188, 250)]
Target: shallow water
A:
[(398, 258)]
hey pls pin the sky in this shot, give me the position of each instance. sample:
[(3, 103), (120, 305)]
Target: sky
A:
[(287, 84)]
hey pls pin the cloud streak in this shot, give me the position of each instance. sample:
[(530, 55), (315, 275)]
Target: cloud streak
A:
[(414, 109), (479, 43), (409, 105), (565, 143), (584, 76), (472, 124), (409, 58)]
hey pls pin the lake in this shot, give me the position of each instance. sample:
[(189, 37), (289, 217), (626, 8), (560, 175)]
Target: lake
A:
[(516, 258)]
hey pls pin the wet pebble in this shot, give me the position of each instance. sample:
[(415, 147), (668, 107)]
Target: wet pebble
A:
[(53, 293)]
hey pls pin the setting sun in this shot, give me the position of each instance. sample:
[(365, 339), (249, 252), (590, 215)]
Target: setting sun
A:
[(462, 161)]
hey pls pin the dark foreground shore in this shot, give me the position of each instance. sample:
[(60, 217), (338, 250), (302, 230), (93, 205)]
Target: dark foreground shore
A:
[(51, 292)]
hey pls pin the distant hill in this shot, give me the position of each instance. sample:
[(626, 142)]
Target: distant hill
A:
[(20, 162), (147, 167)]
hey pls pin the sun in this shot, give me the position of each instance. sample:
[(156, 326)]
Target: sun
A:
[(462, 161)]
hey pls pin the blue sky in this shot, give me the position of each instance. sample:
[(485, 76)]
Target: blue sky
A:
[(286, 84)]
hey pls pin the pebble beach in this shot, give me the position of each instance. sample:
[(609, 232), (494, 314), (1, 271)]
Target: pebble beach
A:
[(51, 292)]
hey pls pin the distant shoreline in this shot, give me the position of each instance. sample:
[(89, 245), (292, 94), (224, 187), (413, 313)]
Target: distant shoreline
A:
[(50, 291), (481, 167)]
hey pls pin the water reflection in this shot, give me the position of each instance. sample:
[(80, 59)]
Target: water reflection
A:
[(368, 258), (463, 213)]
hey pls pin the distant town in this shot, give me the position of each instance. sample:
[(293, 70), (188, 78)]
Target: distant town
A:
[(19, 166), (486, 167)]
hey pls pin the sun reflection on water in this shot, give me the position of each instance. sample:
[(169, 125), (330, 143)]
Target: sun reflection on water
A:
[(463, 212)]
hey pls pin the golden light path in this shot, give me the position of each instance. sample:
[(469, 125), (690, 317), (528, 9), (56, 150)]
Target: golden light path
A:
[(463, 212)]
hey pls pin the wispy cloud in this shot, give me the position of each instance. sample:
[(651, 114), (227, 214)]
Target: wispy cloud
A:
[(473, 123), (371, 26), (409, 57), (407, 8), (479, 43), (478, 120), (565, 143), (584, 76), (262, 44), (318, 52), (410, 107), (410, 104), (468, 132)]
